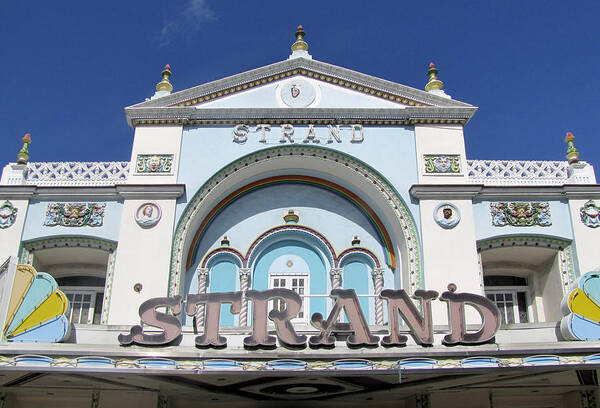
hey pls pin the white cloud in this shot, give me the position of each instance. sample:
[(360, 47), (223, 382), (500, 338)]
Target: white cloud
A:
[(195, 14)]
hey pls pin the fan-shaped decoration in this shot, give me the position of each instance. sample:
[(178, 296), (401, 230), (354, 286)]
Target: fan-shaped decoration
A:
[(582, 309), (36, 312)]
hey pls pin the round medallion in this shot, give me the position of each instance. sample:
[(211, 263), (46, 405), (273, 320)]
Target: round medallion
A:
[(446, 215), (148, 215), (289, 263), (297, 93)]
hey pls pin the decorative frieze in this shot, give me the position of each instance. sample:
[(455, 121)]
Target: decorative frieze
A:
[(75, 214), (442, 163), (154, 164), (8, 214), (520, 214), (590, 214)]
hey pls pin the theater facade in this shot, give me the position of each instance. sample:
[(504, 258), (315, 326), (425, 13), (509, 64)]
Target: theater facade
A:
[(300, 233)]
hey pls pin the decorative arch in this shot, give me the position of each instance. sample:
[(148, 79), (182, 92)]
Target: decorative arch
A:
[(358, 252), (568, 272), (223, 252), (380, 190), (340, 191)]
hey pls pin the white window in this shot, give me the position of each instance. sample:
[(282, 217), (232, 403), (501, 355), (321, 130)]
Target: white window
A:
[(511, 295), (299, 284), (83, 302)]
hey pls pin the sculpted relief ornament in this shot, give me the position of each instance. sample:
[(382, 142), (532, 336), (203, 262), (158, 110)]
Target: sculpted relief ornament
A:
[(148, 215), (154, 164), (8, 214), (520, 214), (442, 163), (446, 215), (590, 214), (75, 214)]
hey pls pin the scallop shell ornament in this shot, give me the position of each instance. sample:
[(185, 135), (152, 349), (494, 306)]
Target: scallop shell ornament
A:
[(582, 309), (36, 311)]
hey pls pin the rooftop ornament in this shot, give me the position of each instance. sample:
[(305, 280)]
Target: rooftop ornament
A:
[(572, 153), (23, 155), (164, 85), (300, 47), (434, 83)]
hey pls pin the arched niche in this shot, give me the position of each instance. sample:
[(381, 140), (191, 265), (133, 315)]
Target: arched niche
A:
[(526, 275), (332, 169)]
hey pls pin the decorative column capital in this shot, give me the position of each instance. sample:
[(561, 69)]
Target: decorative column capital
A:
[(202, 272), (377, 273), (336, 272), (244, 273)]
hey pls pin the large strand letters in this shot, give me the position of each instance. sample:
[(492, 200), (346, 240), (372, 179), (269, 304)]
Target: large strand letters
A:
[(399, 303)]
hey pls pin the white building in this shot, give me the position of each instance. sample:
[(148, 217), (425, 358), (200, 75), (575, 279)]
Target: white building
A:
[(309, 177)]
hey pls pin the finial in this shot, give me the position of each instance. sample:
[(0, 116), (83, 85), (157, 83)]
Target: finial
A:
[(164, 84), (433, 83), (291, 217), (300, 44), (23, 155), (355, 241), (572, 153), (225, 241)]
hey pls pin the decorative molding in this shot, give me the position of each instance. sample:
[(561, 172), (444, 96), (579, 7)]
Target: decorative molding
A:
[(75, 214), (590, 214), (517, 172), (442, 163), (446, 215), (474, 363), (148, 215), (191, 116), (8, 214), (76, 173), (154, 164), (520, 214)]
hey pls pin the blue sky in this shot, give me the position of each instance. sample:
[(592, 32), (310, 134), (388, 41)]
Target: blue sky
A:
[(71, 67)]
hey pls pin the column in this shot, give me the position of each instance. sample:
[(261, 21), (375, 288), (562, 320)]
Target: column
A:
[(244, 281), (202, 282), (336, 278), (377, 275)]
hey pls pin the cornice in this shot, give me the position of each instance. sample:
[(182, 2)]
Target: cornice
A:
[(481, 192), (318, 70), (130, 191), (319, 116)]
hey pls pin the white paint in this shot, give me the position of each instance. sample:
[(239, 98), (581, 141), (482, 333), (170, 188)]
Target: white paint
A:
[(587, 238), (450, 256), (156, 140), (10, 238), (143, 256), (440, 139)]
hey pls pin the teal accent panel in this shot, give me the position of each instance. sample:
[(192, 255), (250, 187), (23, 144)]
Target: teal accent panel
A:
[(223, 278), (317, 273), (591, 286), (41, 287), (356, 276)]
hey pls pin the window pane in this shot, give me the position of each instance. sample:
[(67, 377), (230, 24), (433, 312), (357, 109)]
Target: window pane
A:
[(522, 303), (98, 308)]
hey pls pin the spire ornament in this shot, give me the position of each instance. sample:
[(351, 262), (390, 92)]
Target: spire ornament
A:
[(300, 44), (164, 85), (434, 83), (300, 47), (23, 155), (572, 153)]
